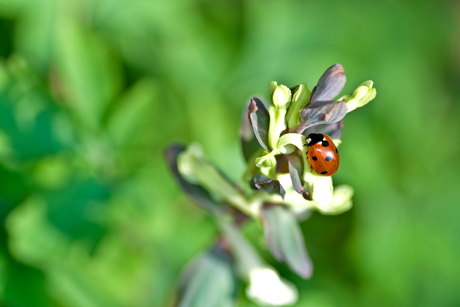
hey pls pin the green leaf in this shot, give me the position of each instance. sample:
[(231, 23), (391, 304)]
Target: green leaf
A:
[(197, 192), (89, 73), (197, 170), (79, 209), (20, 277), (124, 123), (34, 36), (285, 240), (210, 281), (27, 117)]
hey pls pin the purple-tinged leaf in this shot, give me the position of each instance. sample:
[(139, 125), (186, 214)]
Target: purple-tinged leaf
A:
[(260, 121), (285, 240), (197, 192), (282, 164), (296, 169), (249, 143), (209, 281), (334, 130), (320, 113), (330, 84), (269, 185)]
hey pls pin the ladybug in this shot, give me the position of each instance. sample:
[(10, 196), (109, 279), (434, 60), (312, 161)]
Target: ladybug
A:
[(322, 153)]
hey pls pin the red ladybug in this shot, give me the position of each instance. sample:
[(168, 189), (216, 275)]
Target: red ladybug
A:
[(322, 153)]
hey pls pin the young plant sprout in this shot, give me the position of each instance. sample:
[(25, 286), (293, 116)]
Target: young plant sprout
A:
[(290, 146)]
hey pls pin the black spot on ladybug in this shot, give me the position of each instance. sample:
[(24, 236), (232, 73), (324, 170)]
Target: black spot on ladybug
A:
[(323, 173), (314, 158), (328, 158), (336, 150), (325, 143)]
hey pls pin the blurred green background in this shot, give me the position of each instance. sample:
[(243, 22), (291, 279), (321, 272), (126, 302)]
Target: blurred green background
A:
[(91, 92)]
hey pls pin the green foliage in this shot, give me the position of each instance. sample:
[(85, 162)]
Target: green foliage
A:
[(92, 92)]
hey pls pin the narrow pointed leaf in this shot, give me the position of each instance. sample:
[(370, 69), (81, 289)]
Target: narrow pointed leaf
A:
[(210, 281), (272, 186), (321, 112), (296, 169), (282, 166), (330, 84), (285, 240), (249, 143), (246, 256), (260, 120), (197, 192)]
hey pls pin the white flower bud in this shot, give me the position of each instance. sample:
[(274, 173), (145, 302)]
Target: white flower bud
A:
[(268, 289)]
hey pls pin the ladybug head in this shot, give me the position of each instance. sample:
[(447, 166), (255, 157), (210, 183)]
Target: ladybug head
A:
[(314, 138)]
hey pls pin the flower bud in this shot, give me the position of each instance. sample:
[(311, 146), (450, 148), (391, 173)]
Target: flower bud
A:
[(341, 201), (299, 101), (319, 187), (322, 190), (280, 99), (361, 96), (280, 95), (268, 289)]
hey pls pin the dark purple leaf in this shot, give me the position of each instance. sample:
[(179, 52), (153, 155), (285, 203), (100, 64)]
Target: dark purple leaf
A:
[(210, 280), (282, 164), (334, 130), (321, 112), (296, 169), (249, 143), (269, 185), (197, 192), (330, 84), (260, 120), (285, 240)]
